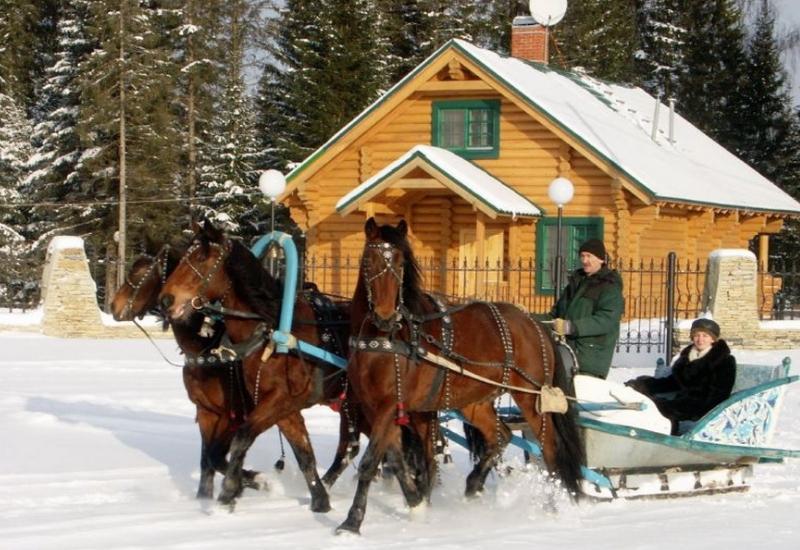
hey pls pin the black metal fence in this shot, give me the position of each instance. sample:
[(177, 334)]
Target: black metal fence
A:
[(655, 290)]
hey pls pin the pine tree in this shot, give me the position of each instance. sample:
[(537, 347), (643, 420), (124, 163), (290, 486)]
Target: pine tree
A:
[(198, 51), (322, 75), (769, 129), (714, 69), (54, 168), (662, 37), (600, 37), (14, 249), (230, 173), (18, 49), (127, 127)]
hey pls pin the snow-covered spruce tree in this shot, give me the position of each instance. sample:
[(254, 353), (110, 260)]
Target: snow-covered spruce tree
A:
[(769, 129), (412, 30), (492, 23), (18, 20), (709, 88), (15, 148), (127, 129), (53, 180), (198, 54), (600, 37), (323, 73), (229, 175), (661, 38)]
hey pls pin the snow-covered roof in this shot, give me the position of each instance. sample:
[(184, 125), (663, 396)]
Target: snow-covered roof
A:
[(616, 123), (456, 173)]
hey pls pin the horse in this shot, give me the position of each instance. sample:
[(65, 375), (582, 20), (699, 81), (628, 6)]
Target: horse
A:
[(409, 356), (218, 269), (217, 389)]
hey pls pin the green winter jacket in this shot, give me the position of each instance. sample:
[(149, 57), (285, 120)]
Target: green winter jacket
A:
[(594, 306)]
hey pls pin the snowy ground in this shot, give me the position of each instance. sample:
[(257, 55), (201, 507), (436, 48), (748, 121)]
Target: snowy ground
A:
[(99, 450)]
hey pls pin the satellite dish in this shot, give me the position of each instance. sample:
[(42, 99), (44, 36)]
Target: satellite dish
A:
[(548, 12)]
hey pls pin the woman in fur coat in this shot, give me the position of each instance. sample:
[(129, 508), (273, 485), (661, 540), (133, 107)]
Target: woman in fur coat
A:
[(702, 377)]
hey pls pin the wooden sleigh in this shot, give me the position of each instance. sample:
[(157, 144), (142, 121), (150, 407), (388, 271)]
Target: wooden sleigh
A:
[(631, 454), (714, 454)]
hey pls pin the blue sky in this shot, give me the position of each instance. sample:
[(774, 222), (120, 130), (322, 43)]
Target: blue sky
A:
[(789, 18)]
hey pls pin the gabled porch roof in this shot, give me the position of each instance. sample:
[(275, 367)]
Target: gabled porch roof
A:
[(449, 171)]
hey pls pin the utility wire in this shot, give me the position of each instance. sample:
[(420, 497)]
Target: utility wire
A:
[(14, 205)]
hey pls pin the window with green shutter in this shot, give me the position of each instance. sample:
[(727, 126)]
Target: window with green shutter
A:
[(469, 128), (574, 231)]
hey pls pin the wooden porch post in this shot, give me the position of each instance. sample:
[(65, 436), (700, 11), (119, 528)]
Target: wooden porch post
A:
[(480, 253), (763, 252)]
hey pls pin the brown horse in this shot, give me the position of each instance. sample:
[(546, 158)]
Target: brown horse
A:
[(217, 269), (408, 356), (217, 389)]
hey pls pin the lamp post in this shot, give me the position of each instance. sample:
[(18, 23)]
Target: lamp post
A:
[(560, 192), (272, 183)]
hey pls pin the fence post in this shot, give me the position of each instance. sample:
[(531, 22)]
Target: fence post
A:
[(669, 325)]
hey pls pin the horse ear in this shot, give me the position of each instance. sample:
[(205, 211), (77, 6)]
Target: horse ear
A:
[(213, 234), (151, 247), (371, 229), (402, 227)]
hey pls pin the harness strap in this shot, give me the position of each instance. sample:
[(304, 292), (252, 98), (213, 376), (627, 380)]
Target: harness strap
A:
[(221, 310), (384, 345), (227, 351)]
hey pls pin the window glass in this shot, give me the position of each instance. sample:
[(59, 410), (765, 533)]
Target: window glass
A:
[(453, 122), (467, 127)]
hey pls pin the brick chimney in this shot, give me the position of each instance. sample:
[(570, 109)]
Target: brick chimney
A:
[(528, 39)]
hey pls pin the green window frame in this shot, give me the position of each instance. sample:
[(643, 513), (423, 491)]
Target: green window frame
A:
[(574, 231), (469, 128)]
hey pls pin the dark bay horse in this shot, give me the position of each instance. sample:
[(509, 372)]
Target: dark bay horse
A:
[(433, 360), (218, 269), (217, 390)]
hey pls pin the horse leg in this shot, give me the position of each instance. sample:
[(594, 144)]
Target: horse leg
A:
[(294, 429), (367, 470), (205, 489), (541, 426), (382, 430), (350, 422), (496, 436)]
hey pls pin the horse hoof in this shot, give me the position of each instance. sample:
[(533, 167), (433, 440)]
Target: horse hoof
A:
[(321, 507), (259, 483), (347, 529)]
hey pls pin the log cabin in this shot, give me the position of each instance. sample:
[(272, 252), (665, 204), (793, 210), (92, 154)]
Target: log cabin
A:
[(464, 148)]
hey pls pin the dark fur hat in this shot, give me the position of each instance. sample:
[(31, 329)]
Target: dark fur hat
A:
[(706, 325)]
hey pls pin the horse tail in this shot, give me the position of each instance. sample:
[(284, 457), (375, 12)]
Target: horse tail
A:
[(570, 454), (476, 443), (414, 456)]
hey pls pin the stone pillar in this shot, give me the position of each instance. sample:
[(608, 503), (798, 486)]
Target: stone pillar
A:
[(730, 293), (68, 291)]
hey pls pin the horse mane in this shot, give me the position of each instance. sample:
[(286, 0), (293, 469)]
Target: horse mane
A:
[(413, 295), (253, 283)]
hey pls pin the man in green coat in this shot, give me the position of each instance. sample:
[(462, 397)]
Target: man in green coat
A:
[(589, 310)]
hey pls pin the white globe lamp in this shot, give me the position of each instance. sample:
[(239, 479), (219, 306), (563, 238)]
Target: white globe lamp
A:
[(272, 183), (561, 191)]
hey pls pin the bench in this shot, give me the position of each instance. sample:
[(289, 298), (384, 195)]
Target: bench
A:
[(749, 416)]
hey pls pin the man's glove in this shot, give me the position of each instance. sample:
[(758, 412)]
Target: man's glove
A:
[(562, 327)]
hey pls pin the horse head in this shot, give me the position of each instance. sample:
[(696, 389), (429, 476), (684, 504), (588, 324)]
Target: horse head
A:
[(199, 278), (389, 273), (139, 293), (216, 268)]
